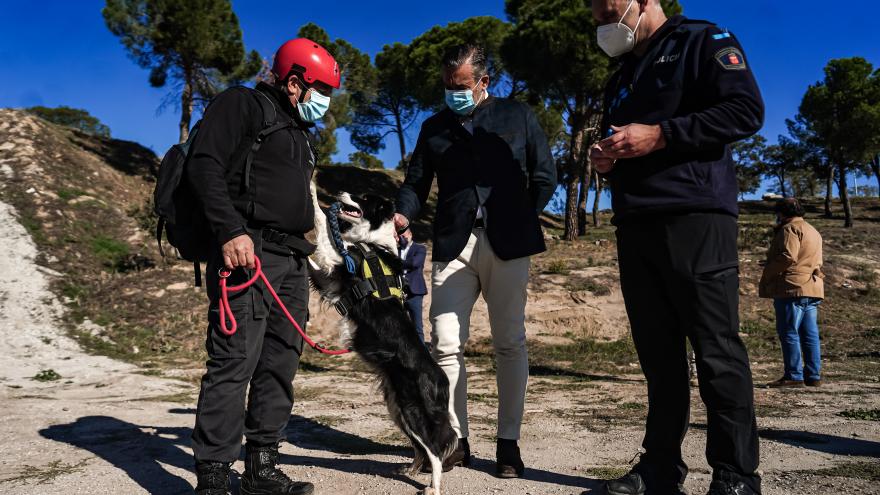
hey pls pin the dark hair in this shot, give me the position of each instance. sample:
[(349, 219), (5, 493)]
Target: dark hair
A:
[(789, 208), (295, 70), (460, 55)]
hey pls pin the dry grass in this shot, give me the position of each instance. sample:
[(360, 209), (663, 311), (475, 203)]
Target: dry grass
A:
[(151, 315)]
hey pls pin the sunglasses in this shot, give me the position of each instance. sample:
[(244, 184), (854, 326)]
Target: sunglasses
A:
[(317, 87)]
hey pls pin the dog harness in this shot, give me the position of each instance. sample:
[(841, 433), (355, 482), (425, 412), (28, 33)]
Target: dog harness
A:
[(374, 279)]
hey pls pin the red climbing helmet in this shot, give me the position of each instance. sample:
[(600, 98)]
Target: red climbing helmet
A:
[(308, 58)]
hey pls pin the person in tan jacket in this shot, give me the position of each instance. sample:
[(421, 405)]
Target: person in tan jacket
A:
[(793, 279)]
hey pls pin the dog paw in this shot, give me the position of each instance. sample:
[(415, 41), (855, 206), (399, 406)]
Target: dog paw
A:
[(404, 470), (427, 491)]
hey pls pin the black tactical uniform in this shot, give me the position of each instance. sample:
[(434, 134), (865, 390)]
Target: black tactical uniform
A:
[(273, 205), (675, 210)]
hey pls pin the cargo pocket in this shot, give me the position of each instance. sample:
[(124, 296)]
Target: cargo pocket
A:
[(222, 346), (718, 289)]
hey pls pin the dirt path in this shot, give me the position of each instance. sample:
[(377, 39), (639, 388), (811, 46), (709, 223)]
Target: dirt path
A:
[(106, 427)]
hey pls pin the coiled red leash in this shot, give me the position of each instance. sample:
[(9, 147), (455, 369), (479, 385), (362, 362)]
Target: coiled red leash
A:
[(226, 311)]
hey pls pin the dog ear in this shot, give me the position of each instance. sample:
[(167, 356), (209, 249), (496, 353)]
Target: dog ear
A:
[(386, 209)]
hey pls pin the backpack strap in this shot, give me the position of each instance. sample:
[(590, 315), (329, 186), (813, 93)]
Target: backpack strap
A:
[(268, 126), (160, 226), (313, 159)]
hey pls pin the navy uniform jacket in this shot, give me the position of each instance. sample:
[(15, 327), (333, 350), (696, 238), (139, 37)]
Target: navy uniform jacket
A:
[(413, 267), (696, 83), (505, 164)]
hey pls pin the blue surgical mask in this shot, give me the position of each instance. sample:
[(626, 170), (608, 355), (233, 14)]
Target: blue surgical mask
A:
[(461, 101), (315, 108)]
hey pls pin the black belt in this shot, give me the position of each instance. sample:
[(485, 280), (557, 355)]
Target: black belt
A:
[(295, 243)]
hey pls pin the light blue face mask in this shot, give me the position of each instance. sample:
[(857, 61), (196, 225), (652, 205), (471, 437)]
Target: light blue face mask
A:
[(315, 108), (461, 101)]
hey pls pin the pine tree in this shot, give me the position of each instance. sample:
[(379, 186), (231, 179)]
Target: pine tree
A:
[(196, 45)]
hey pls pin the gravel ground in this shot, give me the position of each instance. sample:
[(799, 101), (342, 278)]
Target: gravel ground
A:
[(95, 425)]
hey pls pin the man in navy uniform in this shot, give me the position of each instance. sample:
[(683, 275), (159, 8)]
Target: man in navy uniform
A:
[(683, 93)]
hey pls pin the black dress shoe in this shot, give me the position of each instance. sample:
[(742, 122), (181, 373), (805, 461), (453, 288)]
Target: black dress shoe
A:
[(509, 462), (461, 456), (719, 487)]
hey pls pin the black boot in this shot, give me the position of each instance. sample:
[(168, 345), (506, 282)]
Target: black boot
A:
[(629, 484), (632, 483), (509, 463), (461, 456), (261, 477), (213, 478)]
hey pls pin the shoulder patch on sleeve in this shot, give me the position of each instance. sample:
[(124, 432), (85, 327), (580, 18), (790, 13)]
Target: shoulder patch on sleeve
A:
[(730, 58)]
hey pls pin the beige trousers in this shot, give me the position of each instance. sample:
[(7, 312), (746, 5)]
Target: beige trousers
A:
[(455, 288)]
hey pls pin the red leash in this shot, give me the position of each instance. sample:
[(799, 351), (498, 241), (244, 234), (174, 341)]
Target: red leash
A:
[(226, 312)]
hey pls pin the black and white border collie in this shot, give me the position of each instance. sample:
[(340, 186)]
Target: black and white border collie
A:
[(381, 332)]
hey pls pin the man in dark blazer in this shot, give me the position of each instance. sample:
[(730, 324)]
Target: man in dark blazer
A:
[(495, 174), (413, 256)]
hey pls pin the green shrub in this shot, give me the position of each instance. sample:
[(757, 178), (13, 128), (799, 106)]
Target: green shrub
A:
[(68, 194), (49, 375), (111, 252), (588, 284), (557, 267), (863, 414)]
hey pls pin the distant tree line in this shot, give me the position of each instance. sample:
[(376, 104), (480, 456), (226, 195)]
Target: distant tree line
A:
[(835, 135), (71, 117), (545, 54)]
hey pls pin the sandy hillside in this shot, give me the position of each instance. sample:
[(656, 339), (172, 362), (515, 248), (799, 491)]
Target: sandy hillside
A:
[(103, 348)]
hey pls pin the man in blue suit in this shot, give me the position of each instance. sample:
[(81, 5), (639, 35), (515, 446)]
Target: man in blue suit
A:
[(413, 255)]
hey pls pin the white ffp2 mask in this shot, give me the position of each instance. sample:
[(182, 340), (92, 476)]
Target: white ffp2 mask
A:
[(617, 38)]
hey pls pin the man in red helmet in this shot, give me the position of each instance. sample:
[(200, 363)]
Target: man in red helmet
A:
[(257, 204)]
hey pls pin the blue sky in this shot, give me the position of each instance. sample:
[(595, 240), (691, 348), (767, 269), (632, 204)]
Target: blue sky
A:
[(59, 52)]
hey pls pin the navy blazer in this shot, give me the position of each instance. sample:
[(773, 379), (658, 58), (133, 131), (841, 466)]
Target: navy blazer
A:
[(505, 165), (414, 266)]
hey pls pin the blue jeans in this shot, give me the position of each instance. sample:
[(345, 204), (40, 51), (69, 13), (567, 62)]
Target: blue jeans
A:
[(798, 329)]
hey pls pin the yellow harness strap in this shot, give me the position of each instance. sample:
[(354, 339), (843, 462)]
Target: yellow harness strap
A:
[(387, 274)]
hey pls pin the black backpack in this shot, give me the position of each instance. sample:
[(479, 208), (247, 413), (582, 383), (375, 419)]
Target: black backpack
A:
[(180, 213)]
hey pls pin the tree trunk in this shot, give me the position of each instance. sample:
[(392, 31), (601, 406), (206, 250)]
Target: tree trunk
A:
[(829, 191), (598, 182), (844, 196), (571, 196), (575, 160), (781, 177), (582, 202), (186, 106), (875, 166), (398, 128), (588, 176)]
